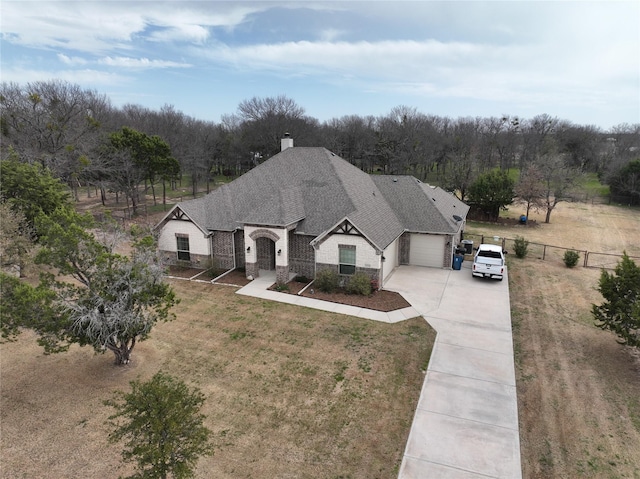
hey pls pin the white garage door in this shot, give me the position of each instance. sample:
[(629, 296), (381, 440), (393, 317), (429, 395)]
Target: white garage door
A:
[(426, 250)]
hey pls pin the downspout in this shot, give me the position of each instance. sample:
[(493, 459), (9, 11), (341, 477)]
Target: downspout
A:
[(233, 247), (453, 248), (315, 260), (211, 248), (381, 273)]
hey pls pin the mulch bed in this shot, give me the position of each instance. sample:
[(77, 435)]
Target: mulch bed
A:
[(379, 300)]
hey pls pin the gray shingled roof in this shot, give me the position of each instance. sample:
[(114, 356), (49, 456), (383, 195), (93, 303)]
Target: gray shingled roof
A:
[(317, 189), (420, 207)]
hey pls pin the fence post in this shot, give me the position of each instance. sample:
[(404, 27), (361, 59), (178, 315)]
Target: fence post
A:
[(586, 258), (544, 251)]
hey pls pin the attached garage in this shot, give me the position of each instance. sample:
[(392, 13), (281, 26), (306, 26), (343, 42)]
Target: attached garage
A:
[(426, 250)]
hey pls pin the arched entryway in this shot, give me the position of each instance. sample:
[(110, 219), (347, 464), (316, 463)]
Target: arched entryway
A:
[(266, 249)]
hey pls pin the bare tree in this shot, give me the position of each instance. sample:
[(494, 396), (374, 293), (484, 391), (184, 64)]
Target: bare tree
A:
[(558, 178), (535, 133), (266, 120), (530, 190), (462, 167), (43, 118)]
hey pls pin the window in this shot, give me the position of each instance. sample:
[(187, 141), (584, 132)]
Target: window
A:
[(183, 247), (347, 259)]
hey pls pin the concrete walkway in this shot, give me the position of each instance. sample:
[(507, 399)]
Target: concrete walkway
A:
[(466, 422)]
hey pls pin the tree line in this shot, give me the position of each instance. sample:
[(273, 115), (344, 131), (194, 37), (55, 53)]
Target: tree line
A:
[(84, 140)]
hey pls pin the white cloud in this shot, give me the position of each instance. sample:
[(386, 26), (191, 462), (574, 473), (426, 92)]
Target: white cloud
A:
[(143, 63), (100, 27), (331, 34), (518, 72), (71, 60), (183, 33)]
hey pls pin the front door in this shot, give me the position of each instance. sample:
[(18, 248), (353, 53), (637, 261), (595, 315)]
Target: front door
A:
[(266, 253)]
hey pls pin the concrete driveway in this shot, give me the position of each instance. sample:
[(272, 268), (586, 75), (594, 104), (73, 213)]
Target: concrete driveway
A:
[(466, 423)]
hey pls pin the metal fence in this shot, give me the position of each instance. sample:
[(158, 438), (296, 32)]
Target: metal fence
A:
[(547, 252)]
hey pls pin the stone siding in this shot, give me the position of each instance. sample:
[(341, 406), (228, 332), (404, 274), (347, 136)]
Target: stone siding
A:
[(252, 270)]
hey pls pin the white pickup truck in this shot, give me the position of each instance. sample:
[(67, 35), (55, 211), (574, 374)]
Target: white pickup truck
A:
[(489, 262)]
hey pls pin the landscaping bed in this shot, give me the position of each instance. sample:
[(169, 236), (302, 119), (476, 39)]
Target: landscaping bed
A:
[(379, 300)]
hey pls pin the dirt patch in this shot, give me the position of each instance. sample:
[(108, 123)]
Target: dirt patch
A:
[(186, 273), (291, 392)]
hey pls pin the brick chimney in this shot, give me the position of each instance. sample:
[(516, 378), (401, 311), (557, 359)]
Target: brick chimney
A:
[(286, 142)]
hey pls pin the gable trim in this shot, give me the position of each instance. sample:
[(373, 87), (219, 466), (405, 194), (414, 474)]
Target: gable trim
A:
[(178, 214), (343, 225)]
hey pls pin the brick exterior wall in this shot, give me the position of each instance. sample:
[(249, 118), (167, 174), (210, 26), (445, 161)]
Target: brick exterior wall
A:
[(447, 258), (252, 270), (301, 255), (282, 274), (239, 245), (222, 248), (404, 245)]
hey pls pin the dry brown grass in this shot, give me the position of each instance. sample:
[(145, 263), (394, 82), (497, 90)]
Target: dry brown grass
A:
[(578, 389), (291, 392)]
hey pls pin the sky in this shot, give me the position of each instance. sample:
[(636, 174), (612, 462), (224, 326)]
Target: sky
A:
[(575, 60)]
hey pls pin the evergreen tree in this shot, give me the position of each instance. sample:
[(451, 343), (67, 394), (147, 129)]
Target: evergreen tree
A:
[(161, 424), (491, 192), (620, 312)]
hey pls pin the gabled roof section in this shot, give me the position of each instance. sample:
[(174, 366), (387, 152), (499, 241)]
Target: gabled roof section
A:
[(178, 213), (422, 208)]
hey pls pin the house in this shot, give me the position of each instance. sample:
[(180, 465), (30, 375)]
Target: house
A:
[(306, 209)]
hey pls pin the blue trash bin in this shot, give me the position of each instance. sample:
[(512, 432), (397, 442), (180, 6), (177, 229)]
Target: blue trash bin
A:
[(457, 261)]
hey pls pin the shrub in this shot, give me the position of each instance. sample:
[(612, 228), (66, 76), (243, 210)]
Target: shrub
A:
[(282, 287), (327, 280), (571, 258), (521, 247), (359, 283)]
